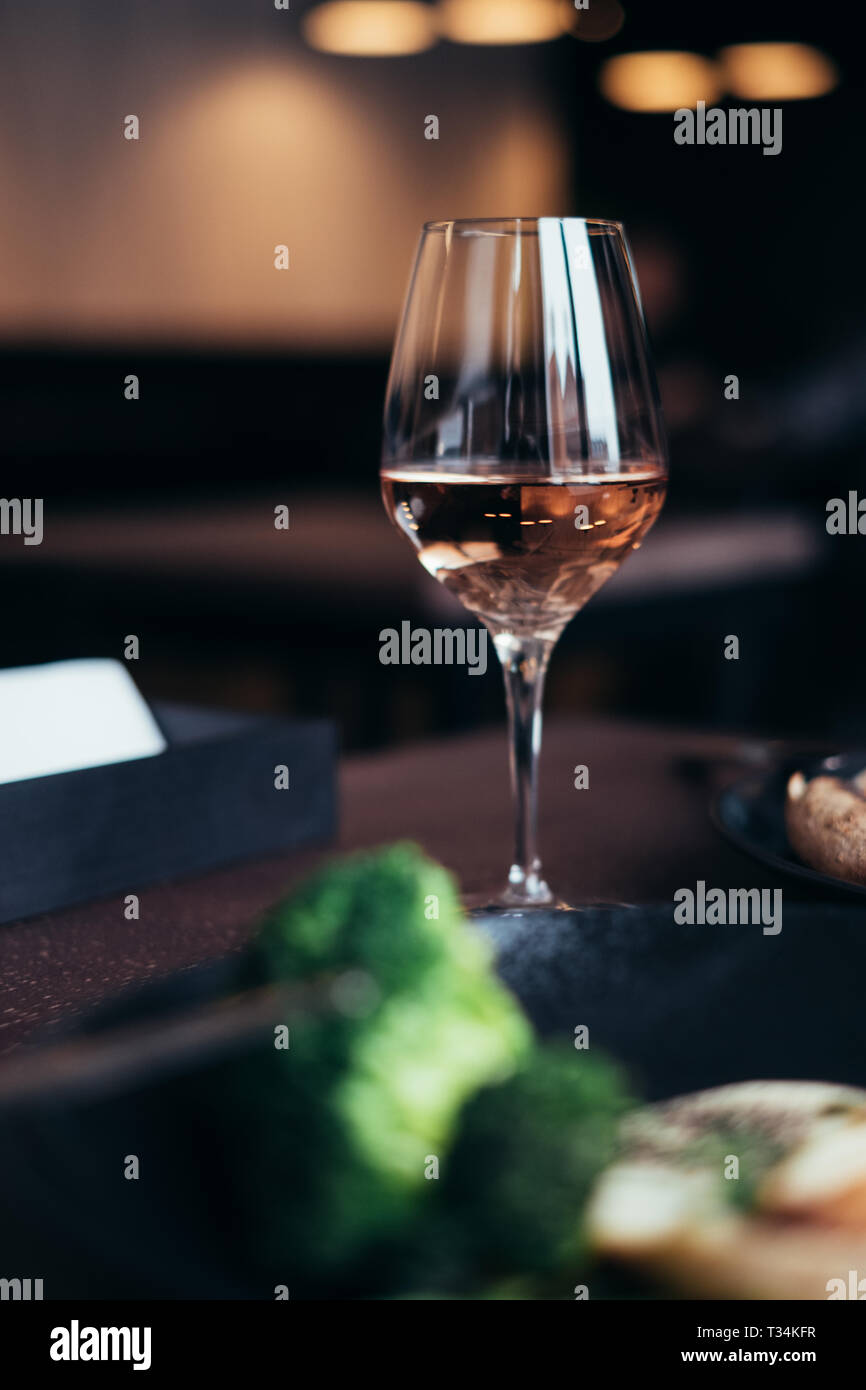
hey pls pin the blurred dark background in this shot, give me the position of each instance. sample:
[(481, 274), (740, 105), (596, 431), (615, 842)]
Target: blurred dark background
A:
[(261, 387)]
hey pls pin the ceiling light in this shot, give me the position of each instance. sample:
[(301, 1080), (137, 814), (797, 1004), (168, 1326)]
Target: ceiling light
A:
[(370, 28), (777, 71), (503, 21), (666, 81)]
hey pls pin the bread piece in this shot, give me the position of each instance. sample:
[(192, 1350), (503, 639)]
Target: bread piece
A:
[(826, 824)]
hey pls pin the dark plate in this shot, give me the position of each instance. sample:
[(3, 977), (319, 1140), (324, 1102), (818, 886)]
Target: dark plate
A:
[(751, 814)]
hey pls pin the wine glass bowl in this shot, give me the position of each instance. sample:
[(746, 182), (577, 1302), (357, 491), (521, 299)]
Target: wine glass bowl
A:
[(522, 552), (524, 454)]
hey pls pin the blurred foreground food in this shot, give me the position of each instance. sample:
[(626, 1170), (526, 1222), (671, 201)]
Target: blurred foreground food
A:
[(411, 1136), (385, 1125), (756, 1190)]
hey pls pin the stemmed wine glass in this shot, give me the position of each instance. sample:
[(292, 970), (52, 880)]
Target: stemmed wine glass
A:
[(524, 452)]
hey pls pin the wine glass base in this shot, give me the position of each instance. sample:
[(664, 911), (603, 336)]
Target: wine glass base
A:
[(481, 907)]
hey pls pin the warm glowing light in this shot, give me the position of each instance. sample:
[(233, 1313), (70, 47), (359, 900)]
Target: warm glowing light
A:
[(370, 28), (659, 81), (502, 21), (777, 71)]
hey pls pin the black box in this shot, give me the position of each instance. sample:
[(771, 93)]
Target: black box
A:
[(209, 799)]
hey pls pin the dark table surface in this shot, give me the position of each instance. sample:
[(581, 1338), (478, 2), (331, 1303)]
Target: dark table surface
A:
[(637, 834)]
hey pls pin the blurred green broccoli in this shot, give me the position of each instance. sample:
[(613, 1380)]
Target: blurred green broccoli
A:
[(343, 1123), (416, 1058), (526, 1157)]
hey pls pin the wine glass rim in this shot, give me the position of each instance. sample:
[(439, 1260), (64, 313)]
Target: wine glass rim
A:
[(509, 226)]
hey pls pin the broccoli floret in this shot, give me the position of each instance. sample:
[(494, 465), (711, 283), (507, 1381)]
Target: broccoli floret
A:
[(345, 1120), (527, 1154)]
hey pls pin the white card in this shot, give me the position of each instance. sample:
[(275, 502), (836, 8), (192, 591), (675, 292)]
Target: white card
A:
[(72, 714)]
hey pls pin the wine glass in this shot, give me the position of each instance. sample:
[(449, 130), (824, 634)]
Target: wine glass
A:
[(524, 453)]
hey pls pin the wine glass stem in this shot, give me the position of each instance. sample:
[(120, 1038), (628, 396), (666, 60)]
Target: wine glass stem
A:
[(524, 665)]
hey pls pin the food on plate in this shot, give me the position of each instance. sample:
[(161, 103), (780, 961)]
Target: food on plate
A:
[(413, 1139), (409, 1137), (826, 823), (755, 1190)]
